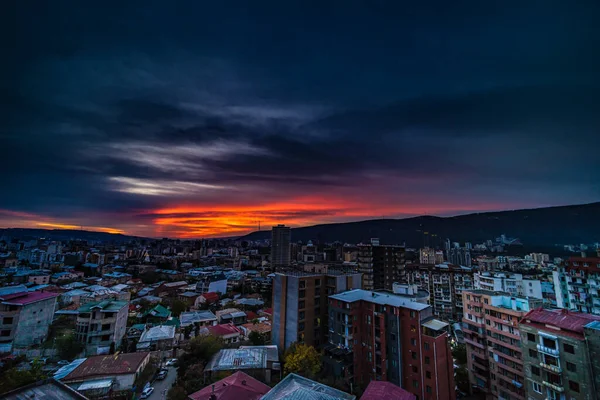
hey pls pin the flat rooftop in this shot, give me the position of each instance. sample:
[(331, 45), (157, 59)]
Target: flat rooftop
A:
[(382, 298)]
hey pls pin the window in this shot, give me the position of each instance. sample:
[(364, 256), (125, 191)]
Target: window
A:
[(485, 301), (302, 294), (536, 387), (5, 333), (574, 386), (571, 367), (415, 383), (535, 370), (415, 369), (317, 282), (532, 353), (428, 389), (301, 304), (413, 314), (426, 345), (428, 374), (569, 348), (531, 337), (414, 355), (8, 321), (413, 341), (426, 360)]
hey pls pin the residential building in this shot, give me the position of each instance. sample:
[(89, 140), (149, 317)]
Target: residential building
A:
[(514, 284), (237, 386), (202, 318), (380, 390), (101, 324), (459, 255), (228, 332), (107, 375), (384, 337), (560, 355), (380, 265), (212, 283), (491, 334), (231, 315), (263, 328), (411, 292), (280, 246), (252, 360), (300, 305), (428, 255), (577, 285), (39, 278), (445, 284), (157, 338), (296, 387), (49, 389), (24, 317)]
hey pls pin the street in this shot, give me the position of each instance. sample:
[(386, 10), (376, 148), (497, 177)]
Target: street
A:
[(164, 385)]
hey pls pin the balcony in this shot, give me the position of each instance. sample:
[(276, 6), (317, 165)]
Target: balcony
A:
[(515, 346), (547, 350), (554, 386), (474, 343), (553, 368)]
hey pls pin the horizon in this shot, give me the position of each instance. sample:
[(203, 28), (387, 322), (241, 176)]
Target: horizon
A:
[(230, 115)]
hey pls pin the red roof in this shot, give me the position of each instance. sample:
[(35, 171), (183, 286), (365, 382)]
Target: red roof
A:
[(235, 387), (121, 364), (268, 311), (563, 319), (380, 390), (211, 296), (24, 298), (251, 315), (223, 329)]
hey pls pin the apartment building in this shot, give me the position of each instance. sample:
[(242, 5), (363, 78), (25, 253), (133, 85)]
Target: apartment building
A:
[(101, 324), (560, 355), (300, 305), (445, 284), (577, 285), (24, 317), (428, 255), (384, 337), (514, 284), (281, 236), (491, 334), (380, 265)]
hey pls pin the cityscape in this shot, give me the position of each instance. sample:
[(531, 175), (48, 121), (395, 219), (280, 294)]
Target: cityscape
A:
[(334, 200)]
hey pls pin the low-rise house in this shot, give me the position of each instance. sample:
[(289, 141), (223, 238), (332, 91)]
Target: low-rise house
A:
[(39, 277), (233, 315), (206, 298), (228, 332), (114, 278), (60, 277), (203, 318), (157, 315), (212, 282), (263, 328), (169, 288), (252, 361), (249, 302), (160, 337), (170, 274), (49, 389), (189, 298), (273, 362), (108, 375), (296, 387), (101, 324), (235, 387)]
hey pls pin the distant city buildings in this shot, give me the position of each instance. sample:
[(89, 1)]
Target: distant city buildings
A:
[(577, 284), (514, 284), (280, 246), (380, 265)]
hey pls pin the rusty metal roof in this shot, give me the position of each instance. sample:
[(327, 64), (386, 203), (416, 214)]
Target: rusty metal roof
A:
[(563, 319)]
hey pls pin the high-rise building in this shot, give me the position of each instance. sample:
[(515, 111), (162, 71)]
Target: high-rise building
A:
[(577, 285), (491, 334), (445, 284), (460, 256), (561, 355), (428, 255), (384, 337), (380, 265), (280, 246), (300, 304), (514, 284)]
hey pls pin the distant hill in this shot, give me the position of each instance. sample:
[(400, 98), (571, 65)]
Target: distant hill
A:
[(66, 234), (535, 227)]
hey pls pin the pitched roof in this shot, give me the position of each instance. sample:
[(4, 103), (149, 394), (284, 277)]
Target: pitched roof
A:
[(235, 387), (49, 389), (158, 333), (235, 359), (222, 330), (24, 298), (121, 364), (296, 387), (159, 311), (564, 319), (380, 390), (211, 296), (190, 317)]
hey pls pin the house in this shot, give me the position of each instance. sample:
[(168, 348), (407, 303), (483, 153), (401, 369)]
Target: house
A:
[(114, 278), (160, 337), (233, 315), (158, 314), (263, 328), (60, 277), (189, 298), (170, 274), (235, 387), (249, 302), (203, 318), (99, 325), (228, 332), (296, 387), (253, 361), (169, 288), (108, 375), (381, 390), (273, 363), (49, 389), (25, 316), (213, 282), (39, 277), (207, 298)]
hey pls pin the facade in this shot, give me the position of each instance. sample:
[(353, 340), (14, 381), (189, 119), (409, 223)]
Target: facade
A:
[(491, 334), (577, 285), (25, 317), (384, 337), (212, 283), (428, 255), (560, 354), (101, 324), (514, 284), (380, 266), (281, 236), (300, 305), (445, 284)]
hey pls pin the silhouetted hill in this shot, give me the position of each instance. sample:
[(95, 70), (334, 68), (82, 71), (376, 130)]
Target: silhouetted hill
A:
[(66, 234), (535, 227)]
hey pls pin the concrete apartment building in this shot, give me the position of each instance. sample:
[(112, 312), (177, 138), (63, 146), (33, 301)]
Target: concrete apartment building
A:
[(380, 265), (577, 285), (384, 337), (561, 352), (101, 324), (300, 305), (514, 284), (445, 284), (281, 236), (428, 255), (24, 317), (491, 334)]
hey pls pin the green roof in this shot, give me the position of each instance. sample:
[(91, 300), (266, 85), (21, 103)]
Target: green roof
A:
[(173, 321), (159, 311), (105, 305)]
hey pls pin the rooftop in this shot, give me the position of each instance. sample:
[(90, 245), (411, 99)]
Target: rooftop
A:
[(222, 330), (296, 387), (380, 390), (234, 359), (564, 319), (158, 333), (120, 364), (190, 317), (235, 387), (105, 306), (25, 298), (49, 389), (378, 298)]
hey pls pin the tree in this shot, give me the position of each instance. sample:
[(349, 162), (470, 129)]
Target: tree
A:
[(256, 339), (462, 379), (177, 393), (187, 331), (177, 307), (459, 352), (68, 347), (303, 360), (200, 349), (196, 329), (112, 348), (15, 378)]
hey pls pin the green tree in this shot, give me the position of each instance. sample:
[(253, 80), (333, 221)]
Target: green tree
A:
[(303, 360), (68, 347), (256, 339), (187, 331), (177, 307), (177, 393), (462, 379), (15, 378), (199, 350), (459, 352)]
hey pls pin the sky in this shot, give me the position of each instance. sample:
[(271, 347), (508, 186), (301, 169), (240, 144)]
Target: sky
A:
[(199, 119)]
